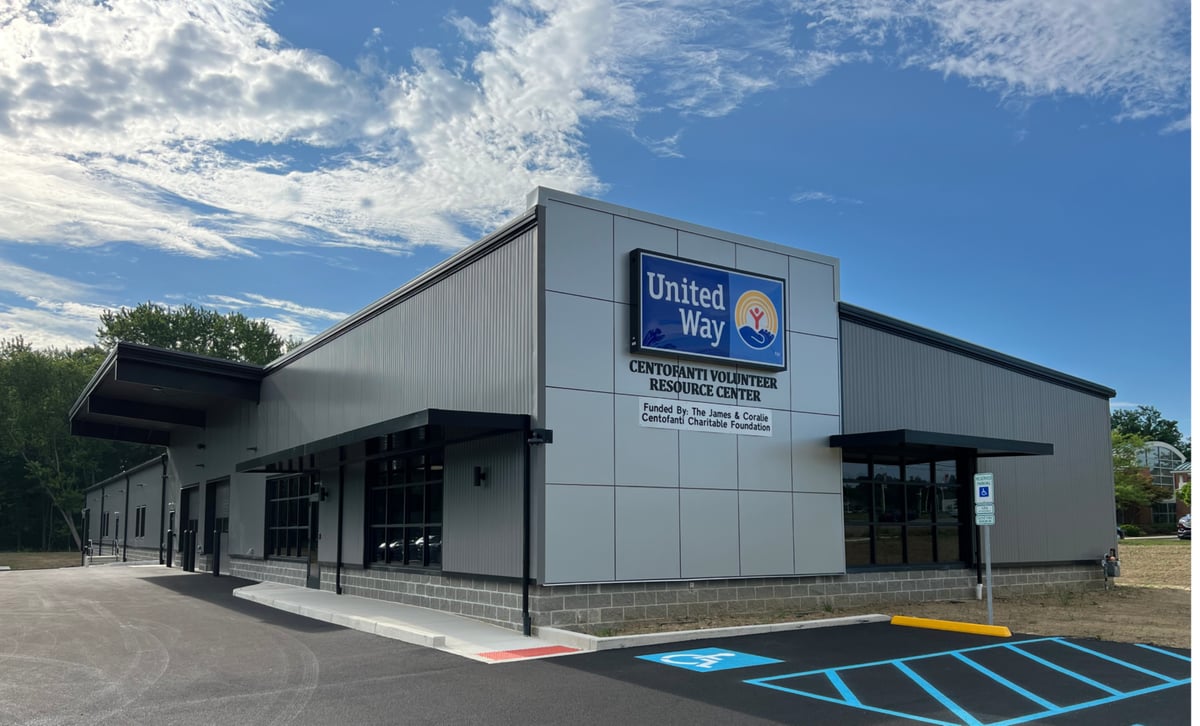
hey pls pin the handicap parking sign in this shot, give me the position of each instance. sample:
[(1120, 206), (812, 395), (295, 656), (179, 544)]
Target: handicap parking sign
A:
[(707, 660)]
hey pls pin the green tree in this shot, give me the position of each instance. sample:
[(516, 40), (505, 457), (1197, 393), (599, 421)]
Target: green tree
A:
[(1185, 494), (39, 458), (1148, 423), (192, 329), (1132, 484)]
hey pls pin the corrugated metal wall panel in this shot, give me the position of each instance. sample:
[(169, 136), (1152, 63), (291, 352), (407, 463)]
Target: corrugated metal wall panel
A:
[(482, 525), (1049, 508), (416, 355)]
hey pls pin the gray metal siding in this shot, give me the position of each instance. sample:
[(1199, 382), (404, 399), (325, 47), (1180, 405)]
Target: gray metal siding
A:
[(466, 342), (1049, 508), (482, 524)]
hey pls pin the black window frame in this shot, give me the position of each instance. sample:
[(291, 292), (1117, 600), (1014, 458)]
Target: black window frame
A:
[(891, 517), (286, 530), (402, 469), (139, 525)]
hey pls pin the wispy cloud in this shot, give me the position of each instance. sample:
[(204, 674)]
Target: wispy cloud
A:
[(804, 197), (192, 126)]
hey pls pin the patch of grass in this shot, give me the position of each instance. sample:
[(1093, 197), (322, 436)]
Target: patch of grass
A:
[(1172, 542), (39, 560)]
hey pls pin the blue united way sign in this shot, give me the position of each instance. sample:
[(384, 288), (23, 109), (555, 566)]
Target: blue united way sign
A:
[(695, 310)]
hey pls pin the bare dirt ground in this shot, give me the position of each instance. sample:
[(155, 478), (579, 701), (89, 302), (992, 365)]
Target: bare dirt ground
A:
[(1149, 603)]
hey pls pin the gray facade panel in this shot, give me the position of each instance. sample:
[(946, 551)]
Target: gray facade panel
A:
[(649, 457), (708, 461), (647, 533), (425, 352), (1048, 508), (708, 533), (813, 361), (581, 527), (481, 525), (765, 533), (818, 523)]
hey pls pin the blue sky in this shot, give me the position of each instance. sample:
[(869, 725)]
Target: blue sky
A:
[(1015, 173)]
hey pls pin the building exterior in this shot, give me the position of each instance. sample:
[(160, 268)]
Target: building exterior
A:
[(597, 415), (123, 515)]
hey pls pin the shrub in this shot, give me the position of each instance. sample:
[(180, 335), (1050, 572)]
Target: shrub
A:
[(1131, 530)]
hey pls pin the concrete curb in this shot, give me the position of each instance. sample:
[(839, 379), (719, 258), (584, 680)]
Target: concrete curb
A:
[(585, 642), (375, 626)]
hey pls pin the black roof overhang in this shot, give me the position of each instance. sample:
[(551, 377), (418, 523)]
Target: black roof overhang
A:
[(141, 393), (935, 446), (457, 425)]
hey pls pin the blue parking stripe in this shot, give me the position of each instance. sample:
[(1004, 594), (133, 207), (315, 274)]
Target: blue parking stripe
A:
[(1164, 652), (1090, 704), (841, 687), (827, 699), (1064, 671), (1118, 661), (942, 698), (1005, 682)]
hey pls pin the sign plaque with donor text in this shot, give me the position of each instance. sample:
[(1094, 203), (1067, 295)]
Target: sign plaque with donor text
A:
[(696, 310)]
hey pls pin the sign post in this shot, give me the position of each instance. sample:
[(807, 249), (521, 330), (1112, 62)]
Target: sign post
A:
[(985, 516)]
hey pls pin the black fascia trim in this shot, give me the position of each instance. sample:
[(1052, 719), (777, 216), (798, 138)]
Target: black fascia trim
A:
[(898, 439), (146, 411), (246, 373), (128, 472), (209, 383), (116, 432), (871, 319), (453, 264), (489, 423)]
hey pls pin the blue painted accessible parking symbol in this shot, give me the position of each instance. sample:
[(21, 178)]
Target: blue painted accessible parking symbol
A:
[(706, 660)]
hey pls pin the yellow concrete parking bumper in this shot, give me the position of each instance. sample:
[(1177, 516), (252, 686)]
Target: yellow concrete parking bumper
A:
[(999, 631)]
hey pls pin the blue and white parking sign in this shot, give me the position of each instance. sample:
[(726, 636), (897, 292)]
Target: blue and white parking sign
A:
[(696, 310), (707, 660)]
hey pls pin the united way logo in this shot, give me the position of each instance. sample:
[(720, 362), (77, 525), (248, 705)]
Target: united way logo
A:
[(756, 319), (708, 660)]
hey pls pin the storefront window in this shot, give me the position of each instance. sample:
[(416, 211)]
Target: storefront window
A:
[(901, 512), (287, 516), (404, 494)]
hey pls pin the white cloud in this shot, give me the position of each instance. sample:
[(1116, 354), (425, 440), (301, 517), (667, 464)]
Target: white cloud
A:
[(192, 126), (47, 314), (804, 197), (1133, 52)]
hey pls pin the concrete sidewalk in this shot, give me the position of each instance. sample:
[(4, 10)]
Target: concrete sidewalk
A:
[(477, 640)]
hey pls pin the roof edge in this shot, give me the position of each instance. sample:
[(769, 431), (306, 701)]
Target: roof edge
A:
[(879, 321), (128, 472)]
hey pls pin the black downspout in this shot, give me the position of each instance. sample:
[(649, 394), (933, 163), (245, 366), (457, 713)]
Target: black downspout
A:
[(162, 515), (337, 578), (526, 622), (125, 533), (100, 549)]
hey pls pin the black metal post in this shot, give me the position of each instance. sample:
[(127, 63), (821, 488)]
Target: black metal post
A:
[(162, 516), (170, 546), (526, 620), (125, 534), (216, 552)]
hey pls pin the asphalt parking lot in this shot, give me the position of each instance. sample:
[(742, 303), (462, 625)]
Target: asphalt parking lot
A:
[(146, 645)]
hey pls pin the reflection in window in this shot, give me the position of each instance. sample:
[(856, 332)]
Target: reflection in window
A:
[(902, 512)]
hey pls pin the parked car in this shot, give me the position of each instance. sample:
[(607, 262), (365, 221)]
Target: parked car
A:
[(1184, 530)]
